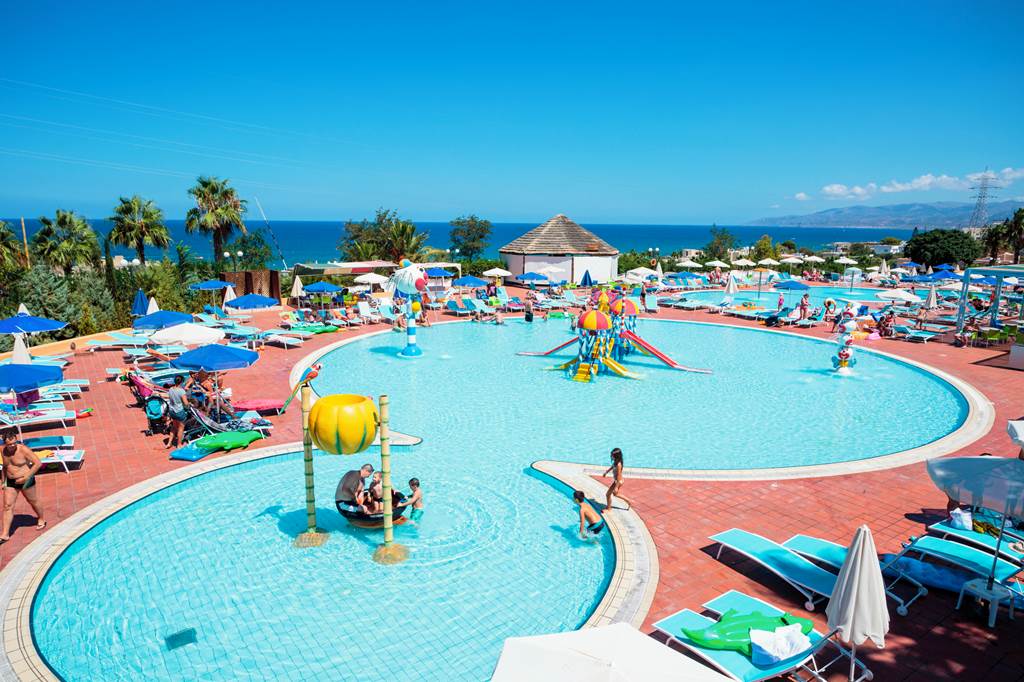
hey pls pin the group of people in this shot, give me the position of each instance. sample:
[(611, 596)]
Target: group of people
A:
[(353, 494), (592, 521), (200, 390)]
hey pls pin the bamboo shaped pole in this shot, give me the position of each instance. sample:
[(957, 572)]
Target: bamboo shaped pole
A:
[(312, 537), (390, 552)]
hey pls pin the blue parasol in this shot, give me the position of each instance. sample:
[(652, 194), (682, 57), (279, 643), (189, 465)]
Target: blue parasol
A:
[(22, 378), (161, 319), (469, 281), (139, 304), (438, 272), (215, 358), (532, 277), (587, 280), (252, 302), (29, 324), (791, 285), (322, 288)]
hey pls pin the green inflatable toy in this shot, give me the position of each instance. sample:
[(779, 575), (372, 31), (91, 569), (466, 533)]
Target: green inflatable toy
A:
[(732, 631), (315, 328), (229, 440)]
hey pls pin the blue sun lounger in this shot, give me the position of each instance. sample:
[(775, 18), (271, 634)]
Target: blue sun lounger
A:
[(457, 309), (970, 559), (834, 555), (809, 579), (945, 530), (737, 665), (914, 334)]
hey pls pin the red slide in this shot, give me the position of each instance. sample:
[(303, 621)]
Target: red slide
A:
[(630, 336), (553, 350)]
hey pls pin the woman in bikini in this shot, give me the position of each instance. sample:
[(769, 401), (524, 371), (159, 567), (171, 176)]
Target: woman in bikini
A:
[(616, 485), (20, 465)]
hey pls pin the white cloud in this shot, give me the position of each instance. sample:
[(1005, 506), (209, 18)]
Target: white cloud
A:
[(802, 196), (924, 183), (838, 190)]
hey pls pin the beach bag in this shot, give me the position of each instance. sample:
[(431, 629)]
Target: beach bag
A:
[(768, 648), (961, 518)]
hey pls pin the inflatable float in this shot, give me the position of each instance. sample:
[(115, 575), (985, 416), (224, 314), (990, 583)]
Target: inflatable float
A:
[(361, 519), (732, 631)]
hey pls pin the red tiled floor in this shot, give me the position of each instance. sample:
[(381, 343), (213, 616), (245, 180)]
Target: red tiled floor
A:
[(933, 642)]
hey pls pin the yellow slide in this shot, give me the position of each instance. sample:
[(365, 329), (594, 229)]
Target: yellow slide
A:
[(582, 372), (564, 365), (614, 366)]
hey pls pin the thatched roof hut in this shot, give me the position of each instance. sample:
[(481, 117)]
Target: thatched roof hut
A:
[(562, 249)]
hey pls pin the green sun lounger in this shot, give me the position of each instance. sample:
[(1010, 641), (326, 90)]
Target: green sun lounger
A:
[(809, 579), (833, 554), (945, 530), (740, 667)]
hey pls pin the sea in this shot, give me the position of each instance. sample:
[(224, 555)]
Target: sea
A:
[(305, 241)]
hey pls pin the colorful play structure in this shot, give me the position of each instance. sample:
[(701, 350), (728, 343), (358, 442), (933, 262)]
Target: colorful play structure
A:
[(844, 360), (411, 283), (605, 337)]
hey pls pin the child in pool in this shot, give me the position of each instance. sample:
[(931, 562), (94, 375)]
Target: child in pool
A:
[(374, 497), (415, 499), (591, 523)]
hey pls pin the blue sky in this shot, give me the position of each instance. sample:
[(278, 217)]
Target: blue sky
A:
[(609, 112)]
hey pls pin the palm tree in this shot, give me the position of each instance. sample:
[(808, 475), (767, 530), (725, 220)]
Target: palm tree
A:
[(994, 239), (138, 222), (401, 239), (218, 211), (66, 241), (10, 247)]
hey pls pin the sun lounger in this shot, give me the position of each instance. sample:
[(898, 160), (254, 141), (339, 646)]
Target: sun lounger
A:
[(63, 458), (49, 442), (259, 405), (833, 555), (651, 303), (220, 314), (984, 541), (737, 665), (971, 559), (479, 305), (387, 312), (721, 307), (914, 334), (454, 307), (366, 312), (280, 339), (33, 418), (810, 580)]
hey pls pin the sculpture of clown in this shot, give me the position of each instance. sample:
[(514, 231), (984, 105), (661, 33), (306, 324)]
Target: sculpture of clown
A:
[(410, 282), (844, 359)]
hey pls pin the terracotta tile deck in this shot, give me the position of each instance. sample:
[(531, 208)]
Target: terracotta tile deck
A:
[(933, 642)]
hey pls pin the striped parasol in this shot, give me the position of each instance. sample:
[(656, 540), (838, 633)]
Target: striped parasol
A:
[(594, 320)]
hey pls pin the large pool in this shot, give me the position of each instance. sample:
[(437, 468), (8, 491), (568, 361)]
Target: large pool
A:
[(496, 554)]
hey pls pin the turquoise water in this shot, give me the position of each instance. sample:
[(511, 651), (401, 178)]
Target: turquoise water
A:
[(769, 298), (496, 554)]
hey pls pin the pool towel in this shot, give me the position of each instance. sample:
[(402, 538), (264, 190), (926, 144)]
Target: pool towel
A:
[(768, 648)]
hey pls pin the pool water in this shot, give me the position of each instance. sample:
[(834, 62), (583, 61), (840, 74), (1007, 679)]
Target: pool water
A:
[(496, 553), (769, 298)]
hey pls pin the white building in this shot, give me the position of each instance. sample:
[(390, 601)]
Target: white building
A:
[(561, 250)]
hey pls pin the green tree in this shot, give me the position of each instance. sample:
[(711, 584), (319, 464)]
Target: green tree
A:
[(108, 268), (387, 236), (481, 265), (722, 241), (10, 247), (47, 294), (995, 240), (255, 250), (788, 245), (763, 248), (1014, 231), (469, 235), (90, 295), (218, 212), (943, 246), (160, 279), (633, 259), (66, 241), (890, 241), (139, 223)]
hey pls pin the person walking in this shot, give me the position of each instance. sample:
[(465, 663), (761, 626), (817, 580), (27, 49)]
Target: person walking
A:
[(615, 487)]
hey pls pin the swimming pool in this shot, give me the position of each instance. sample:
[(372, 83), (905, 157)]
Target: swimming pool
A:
[(769, 298), (496, 554)]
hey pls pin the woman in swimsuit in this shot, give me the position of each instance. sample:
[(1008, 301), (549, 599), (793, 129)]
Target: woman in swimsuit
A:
[(20, 465), (616, 485)]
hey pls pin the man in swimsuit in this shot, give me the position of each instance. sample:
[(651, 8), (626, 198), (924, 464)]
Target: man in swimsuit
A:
[(591, 523), (350, 488), (415, 499), (20, 465)]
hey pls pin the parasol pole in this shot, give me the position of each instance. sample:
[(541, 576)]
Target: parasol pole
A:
[(995, 555), (390, 552)]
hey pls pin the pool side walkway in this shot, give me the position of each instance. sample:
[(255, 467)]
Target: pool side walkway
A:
[(933, 642)]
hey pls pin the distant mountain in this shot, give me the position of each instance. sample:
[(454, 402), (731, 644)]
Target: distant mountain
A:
[(939, 214)]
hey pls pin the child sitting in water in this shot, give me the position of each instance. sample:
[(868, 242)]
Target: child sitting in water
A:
[(373, 498), (591, 523)]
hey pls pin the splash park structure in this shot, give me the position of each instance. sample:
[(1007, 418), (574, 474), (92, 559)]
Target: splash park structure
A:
[(605, 338)]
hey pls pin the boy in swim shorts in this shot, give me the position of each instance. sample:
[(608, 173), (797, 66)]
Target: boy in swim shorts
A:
[(591, 523), (415, 499)]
